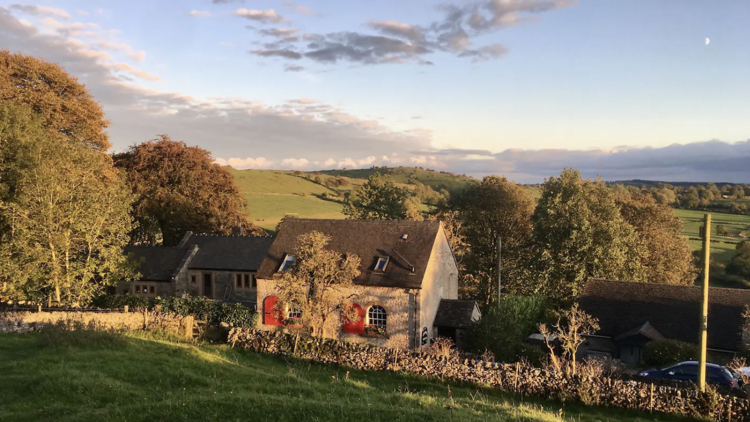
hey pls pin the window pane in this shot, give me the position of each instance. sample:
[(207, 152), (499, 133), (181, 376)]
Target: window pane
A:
[(376, 317), (255, 282), (137, 288), (239, 280), (152, 289), (247, 281)]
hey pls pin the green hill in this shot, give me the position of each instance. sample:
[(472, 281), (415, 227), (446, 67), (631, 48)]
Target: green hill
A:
[(88, 376)]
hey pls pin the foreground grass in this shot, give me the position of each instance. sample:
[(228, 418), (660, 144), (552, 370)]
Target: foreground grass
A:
[(138, 378)]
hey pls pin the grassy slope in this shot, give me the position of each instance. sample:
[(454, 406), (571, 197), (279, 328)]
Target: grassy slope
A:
[(720, 250), (141, 379)]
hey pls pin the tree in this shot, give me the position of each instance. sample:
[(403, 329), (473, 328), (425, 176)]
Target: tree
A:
[(379, 199), (495, 208), (67, 109), (663, 251), (317, 283), (570, 329), (578, 233), (740, 263), (66, 214), (690, 198), (738, 192), (180, 189)]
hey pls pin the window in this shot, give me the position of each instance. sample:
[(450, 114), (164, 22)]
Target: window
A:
[(287, 264), (381, 264), (245, 281), (294, 312), (377, 319), (193, 279), (145, 290)]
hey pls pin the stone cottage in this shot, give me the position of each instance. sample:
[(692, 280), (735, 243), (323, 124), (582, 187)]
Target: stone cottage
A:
[(633, 314), (408, 275), (215, 266)]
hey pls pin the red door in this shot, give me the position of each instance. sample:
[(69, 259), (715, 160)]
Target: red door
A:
[(270, 316), (355, 327)]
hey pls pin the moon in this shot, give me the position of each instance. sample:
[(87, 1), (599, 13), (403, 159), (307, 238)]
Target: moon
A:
[(708, 41)]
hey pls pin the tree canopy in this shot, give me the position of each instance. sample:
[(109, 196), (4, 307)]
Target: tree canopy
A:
[(65, 214), (380, 199), (180, 189), (315, 284), (579, 233), (740, 264), (494, 208), (64, 105)]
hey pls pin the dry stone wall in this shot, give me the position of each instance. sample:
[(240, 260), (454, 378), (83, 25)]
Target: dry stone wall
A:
[(14, 321), (516, 378)]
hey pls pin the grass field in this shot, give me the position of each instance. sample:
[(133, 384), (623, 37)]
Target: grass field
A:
[(722, 247), (80, 377)]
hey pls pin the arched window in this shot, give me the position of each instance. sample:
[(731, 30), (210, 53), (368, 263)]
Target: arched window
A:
[(355, 327), (293, 312), (377, 319)]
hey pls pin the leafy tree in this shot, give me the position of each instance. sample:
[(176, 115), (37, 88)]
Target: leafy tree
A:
[(721, 230), (663, 251), (740, 264), (379, 199), (738, 192), (570, 330), (317, 283), (180, 189), (579, 233), (65, 208), (690, 198), (495, 208), (66, 108), (502, 330)]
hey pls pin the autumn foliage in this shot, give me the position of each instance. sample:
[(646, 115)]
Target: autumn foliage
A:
[(180, 189)]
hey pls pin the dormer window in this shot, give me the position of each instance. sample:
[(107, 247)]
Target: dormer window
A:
[(381, 264), (286, 265)]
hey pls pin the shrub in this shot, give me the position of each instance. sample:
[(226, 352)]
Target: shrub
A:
[(201, 308), (666, 352)]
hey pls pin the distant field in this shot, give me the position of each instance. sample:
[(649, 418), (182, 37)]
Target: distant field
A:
[(722, 248)]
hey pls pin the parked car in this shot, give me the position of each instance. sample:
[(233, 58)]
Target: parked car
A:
[(688, 371)]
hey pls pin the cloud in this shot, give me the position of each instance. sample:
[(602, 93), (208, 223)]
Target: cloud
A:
[(265, 16), (366, 49), (135, 72), (138, 56), (399, 29), (289, 54), (246, 163), (41, 11), (297, 8), (293, 68), (488, 52), (283, 34), (226, 1), (200, 13)]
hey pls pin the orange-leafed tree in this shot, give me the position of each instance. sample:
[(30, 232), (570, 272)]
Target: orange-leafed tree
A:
[(179, 189), (65, 106)]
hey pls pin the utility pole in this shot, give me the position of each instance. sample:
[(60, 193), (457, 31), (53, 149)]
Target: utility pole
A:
[(704, 310), (499, 267)]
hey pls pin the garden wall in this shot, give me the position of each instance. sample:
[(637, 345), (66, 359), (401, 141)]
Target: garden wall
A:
[(517, 378), (21, 321)]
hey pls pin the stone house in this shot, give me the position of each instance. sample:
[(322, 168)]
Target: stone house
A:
[(633, 314), (215, 266), (408, 276)]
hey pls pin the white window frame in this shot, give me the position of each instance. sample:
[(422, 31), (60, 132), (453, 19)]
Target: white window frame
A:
[(381, 315), (288, 259), (384, 261), (293, 312)]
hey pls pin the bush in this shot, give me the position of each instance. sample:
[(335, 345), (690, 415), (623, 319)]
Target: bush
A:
[(201, 308), (661, 353)]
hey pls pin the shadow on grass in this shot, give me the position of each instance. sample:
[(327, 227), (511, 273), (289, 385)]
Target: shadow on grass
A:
[(145, 379)]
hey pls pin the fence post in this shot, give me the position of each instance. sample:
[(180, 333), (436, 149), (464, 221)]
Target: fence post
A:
[(294, 352), (39, 308), (125, 309), (188, 323), (145, 318), (651, 400)]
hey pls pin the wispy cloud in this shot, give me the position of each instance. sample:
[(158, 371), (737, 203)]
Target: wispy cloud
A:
[(265, 16), (297, 8), (41, 11), (200, 13)]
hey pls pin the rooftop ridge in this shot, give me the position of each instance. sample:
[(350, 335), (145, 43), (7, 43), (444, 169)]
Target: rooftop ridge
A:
[(689, 286)]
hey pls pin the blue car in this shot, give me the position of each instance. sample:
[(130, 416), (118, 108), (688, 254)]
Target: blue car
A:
[(688, 371)]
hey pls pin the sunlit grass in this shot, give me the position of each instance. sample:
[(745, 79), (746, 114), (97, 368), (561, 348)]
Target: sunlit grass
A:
[(143, 377)]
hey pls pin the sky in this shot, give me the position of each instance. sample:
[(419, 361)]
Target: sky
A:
[(520, 88)]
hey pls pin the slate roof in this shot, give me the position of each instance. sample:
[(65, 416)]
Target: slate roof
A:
[(673, 311), (157, 263), (368, 240), (454, 313), (645, 329), (228, 253)]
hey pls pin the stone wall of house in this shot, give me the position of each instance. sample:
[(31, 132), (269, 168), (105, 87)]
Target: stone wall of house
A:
[(746, 333), (395, 301), (440, 282), (162, 288), (517, 378)]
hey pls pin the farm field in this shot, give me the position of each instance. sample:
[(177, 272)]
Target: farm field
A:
[(722, 247), (93, 376)]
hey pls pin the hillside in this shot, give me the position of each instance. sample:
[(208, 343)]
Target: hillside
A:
[(655, 183), (89, 376)]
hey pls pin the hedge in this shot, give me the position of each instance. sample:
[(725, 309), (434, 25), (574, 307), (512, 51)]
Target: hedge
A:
[(665, 352), (202, 308)]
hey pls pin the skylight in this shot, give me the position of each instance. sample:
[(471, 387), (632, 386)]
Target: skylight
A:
[(381, 264), (287, 264)]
